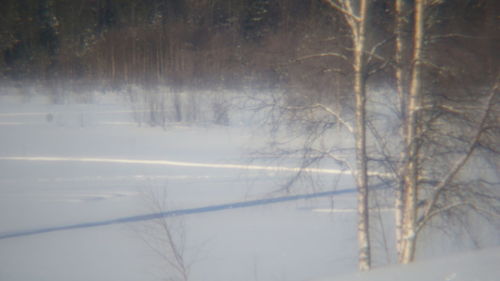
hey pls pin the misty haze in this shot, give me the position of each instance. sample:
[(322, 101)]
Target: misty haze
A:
[(228, 140)]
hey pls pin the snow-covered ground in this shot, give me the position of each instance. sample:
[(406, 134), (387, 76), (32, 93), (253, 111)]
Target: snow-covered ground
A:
[(81, 164), (285, 241), (471, 266)]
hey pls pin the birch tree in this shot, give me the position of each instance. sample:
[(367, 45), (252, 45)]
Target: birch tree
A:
[(410, 169), (355, 13), (439, 137), (455, 131), (400, 9), (315, 118)]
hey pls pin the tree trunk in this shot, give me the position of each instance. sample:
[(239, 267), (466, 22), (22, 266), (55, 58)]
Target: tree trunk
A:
[(400, 81), (411, 140), (357, 24), (360, 138)]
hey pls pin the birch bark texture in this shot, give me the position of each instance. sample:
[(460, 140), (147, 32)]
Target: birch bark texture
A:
[(400, 8), (411, 140), (355, 13)]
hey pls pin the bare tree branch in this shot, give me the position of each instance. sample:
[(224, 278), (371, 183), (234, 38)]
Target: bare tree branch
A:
[(456, 35), (324, 108), (372, 53), (463, 160), (424, 220), (320, 55), (344, 10), (166, 238)]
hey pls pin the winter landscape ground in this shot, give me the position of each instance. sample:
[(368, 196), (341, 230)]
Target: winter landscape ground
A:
[(75, 179)]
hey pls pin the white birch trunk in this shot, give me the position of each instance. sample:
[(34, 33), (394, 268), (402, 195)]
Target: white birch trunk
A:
[(360, 138), (357, 23), (411, 140), (399, 192)]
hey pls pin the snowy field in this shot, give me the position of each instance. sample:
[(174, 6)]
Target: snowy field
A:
[(47, 181), (68, 169)]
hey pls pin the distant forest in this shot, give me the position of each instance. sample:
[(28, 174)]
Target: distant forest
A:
[(227, 43)]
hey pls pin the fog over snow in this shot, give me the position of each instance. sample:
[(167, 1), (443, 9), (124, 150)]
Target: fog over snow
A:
[(284, 241), (85, 163)]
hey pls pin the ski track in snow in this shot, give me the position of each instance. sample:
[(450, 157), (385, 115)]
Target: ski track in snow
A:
[(184, 164)]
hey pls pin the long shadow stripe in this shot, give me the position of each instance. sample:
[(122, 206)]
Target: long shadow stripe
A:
[(181, 212)]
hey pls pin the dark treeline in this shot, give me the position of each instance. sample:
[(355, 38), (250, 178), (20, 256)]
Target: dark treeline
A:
[(180, 42), (229, 43)]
